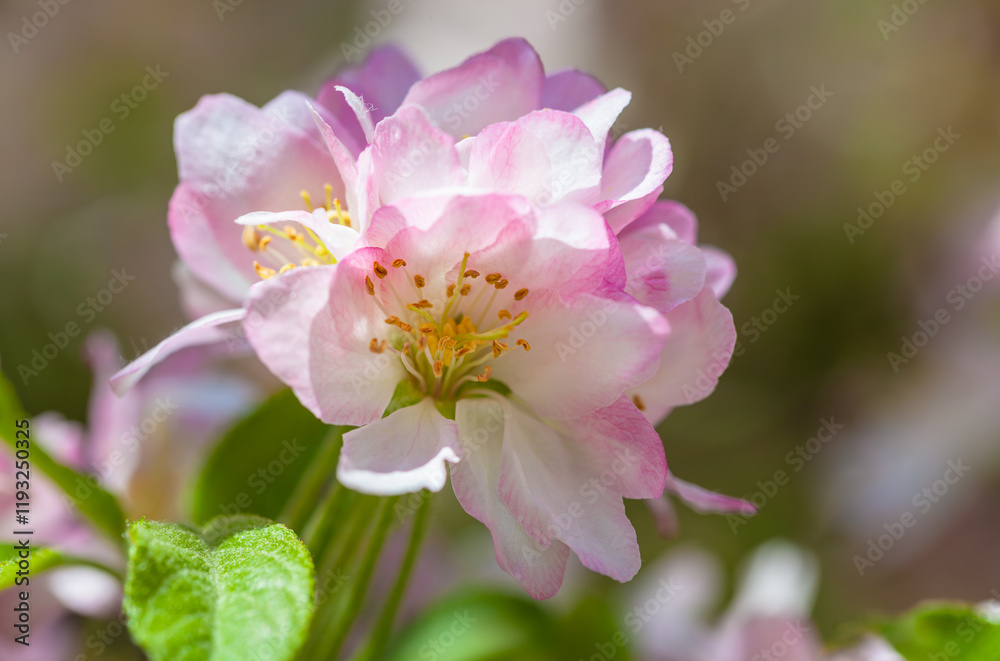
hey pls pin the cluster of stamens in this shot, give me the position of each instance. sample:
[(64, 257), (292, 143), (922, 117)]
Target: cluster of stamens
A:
[(293, 247), (443, 351)]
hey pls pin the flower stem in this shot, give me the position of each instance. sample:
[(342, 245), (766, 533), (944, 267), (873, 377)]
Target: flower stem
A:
[(296, 511), (331, 644), (379, 636)]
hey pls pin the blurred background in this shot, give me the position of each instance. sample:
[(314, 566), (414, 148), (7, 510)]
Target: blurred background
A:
[(872, 211)]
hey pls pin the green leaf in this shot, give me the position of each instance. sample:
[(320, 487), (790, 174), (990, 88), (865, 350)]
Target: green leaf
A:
[(405, 394), (479, 626), (593, 629), (943, 630), (91, 500), (42, 558), (256, 466), (241, 589)]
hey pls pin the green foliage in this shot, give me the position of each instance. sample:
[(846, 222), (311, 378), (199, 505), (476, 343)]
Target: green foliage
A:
[(944, 631), (256, 466), (91, 500), (41, 559), (479, 626), (241, 589)]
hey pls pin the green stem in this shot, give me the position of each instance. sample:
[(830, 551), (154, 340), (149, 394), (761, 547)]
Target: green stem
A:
[(331, 646), (321, 524), (379, 635), (338, 555), (306, 493)]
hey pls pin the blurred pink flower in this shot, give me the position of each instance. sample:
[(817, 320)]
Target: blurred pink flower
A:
[(142, 447), (500, 317)]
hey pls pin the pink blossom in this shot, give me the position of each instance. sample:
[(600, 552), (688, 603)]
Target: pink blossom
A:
[(304, 178), (496, 319)]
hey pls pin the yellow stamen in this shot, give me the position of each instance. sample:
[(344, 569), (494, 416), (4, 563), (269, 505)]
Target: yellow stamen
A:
[(464, 291), (520, 294), (396, 263), (492, 278), (419, 281), (264, 242), (450, 291), (286, 267), (426, 328), (376, 346), (328, 190), (485, 376), (369, 285), (292, 233), (263, 271), (471, 274), (500, 285), (305, 198), (504, 314), (380, 270), (438, 368), (639, 404), (498, 348), (251, 237), (524, 343)]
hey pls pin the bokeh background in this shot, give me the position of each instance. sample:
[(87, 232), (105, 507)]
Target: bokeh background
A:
[(890, 87)]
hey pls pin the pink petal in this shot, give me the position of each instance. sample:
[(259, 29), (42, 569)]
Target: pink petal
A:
[(538, 568), (568, 90), (663, 272), (211, 329), (721, 271), (601, 113), (338, 239), (361, 112), (382, 81), (707, 502), (636, 166), (411, 156), (626, 446), (312, 328), (235, 158), (701, 343), (556, 490), (676, 216), (547, 156), (625, 213), (584, 354), (197, 298), (401, 453), (498, 85)]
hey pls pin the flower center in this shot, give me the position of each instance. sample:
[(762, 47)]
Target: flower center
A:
[(451, 342), (283, 249)]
